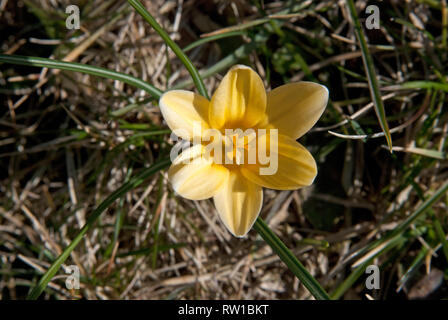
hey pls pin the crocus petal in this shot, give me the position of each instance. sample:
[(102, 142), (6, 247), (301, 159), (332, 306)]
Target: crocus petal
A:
[(294, 108), (295, 166), (182, 110), (238, 203), (195, 177), (239, 101)]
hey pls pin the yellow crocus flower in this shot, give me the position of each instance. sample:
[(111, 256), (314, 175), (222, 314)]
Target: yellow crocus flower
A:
[(241, 102)]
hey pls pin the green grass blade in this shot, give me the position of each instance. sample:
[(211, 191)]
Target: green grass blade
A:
[(361, 269), (118, 220), (424, 85), (413, 268), (290, 260), (201, 41), (350, 280), (422, 209), (413, 27), (223, 64), (134, 182), (138, 6), (442, 237), (83, 68), (371, 74), (393, 238), (436, 154), (240, 26), (406, 223)]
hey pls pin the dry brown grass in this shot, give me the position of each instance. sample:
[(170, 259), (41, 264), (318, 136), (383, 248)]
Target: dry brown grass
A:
[(51, 179)]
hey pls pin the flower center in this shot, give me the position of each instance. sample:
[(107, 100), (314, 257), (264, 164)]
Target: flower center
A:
[(235, 148)]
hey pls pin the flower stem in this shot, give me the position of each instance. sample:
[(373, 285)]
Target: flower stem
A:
[(290, 260)]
